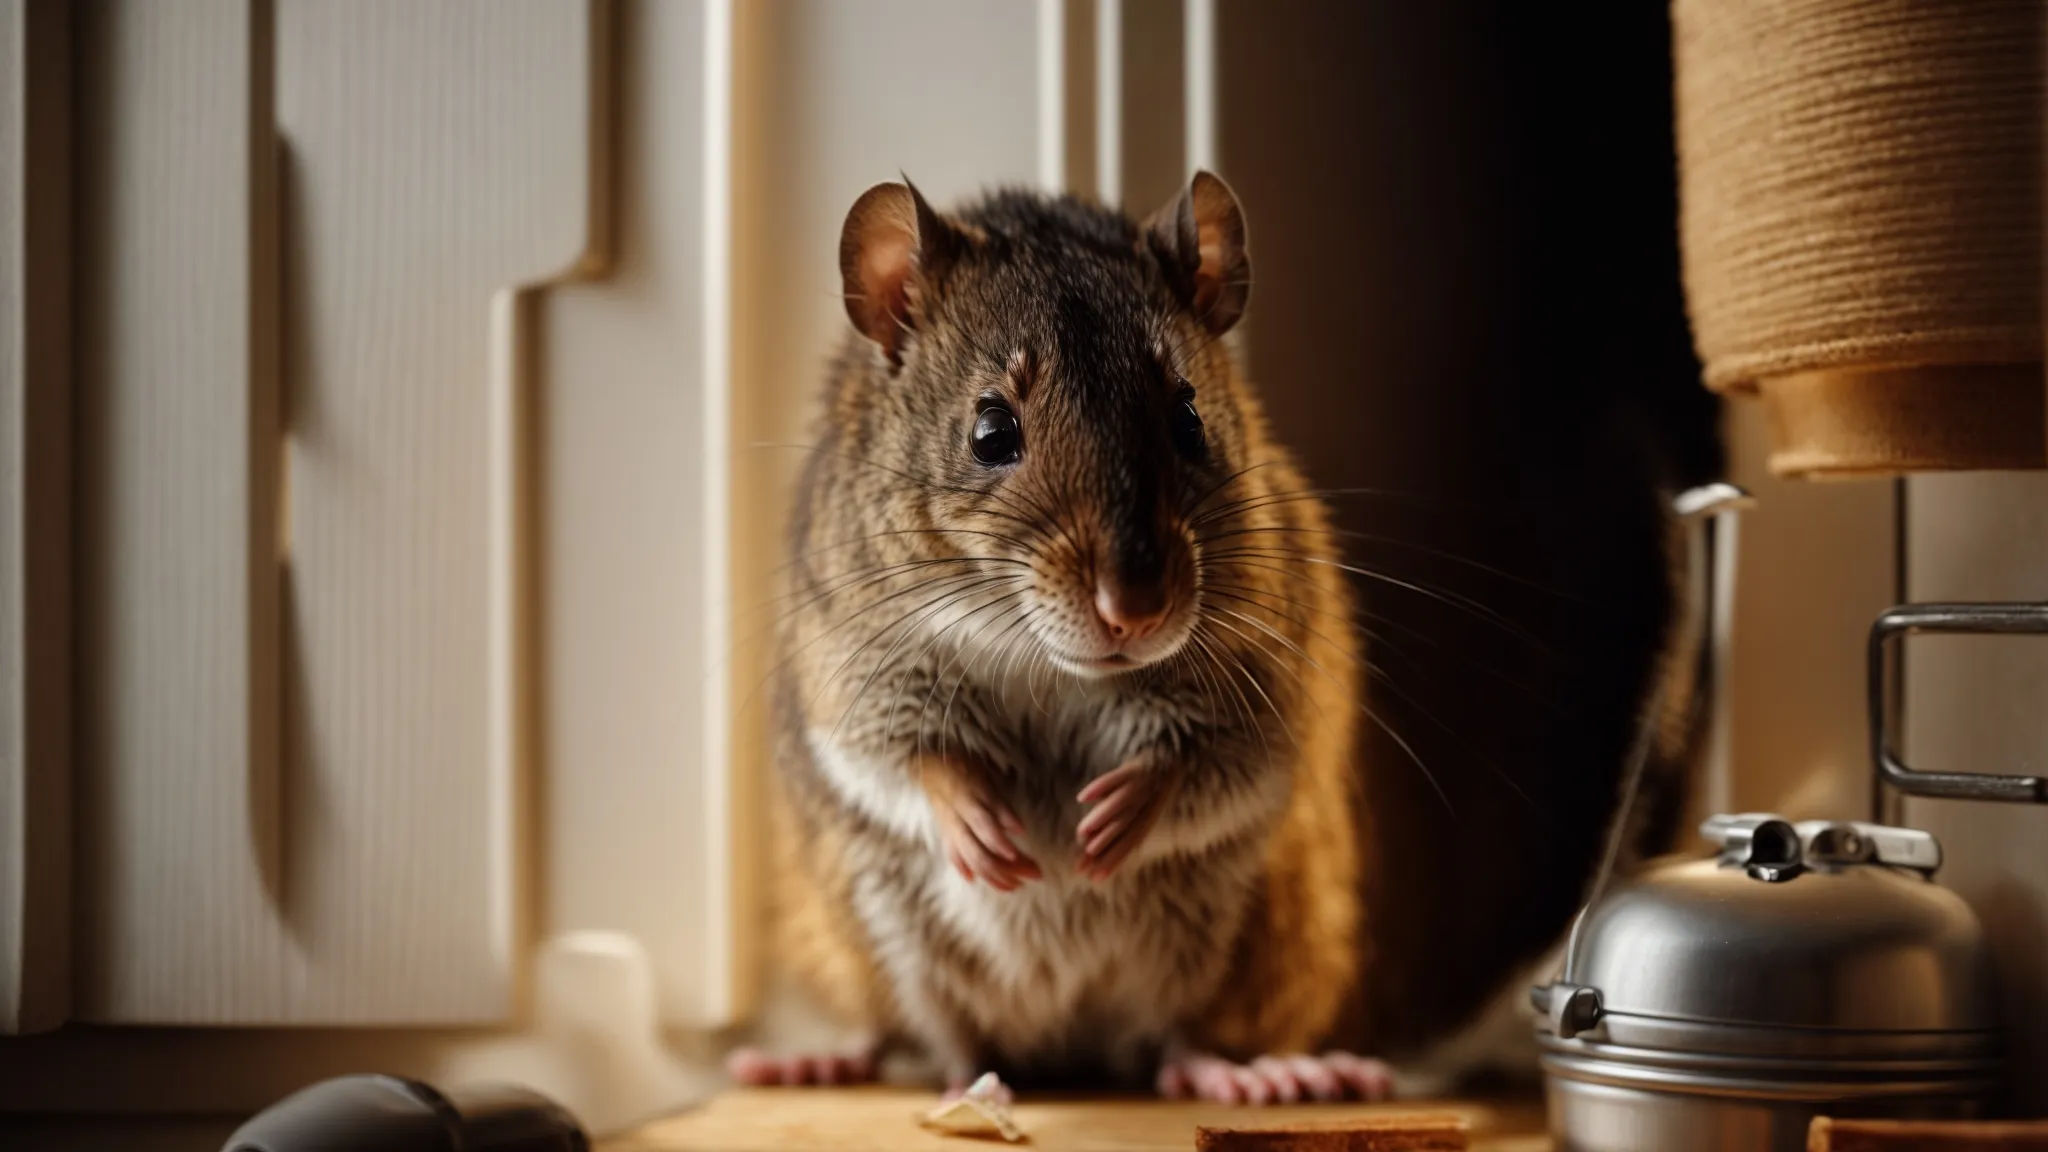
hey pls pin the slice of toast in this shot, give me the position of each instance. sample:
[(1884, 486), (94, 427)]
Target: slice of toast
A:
[(1830, 1135), (1419, 1132)]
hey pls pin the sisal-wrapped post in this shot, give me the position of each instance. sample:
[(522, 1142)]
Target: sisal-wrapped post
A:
[(1862, 201)]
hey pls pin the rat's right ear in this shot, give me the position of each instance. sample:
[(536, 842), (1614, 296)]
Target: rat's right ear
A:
[(892, 248)]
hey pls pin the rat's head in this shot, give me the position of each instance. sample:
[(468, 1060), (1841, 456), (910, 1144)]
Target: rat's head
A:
[(1052, 386)]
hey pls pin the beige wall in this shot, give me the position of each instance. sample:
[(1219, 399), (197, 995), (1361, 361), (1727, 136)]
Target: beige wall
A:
[(1817, 563), (1980, 704)]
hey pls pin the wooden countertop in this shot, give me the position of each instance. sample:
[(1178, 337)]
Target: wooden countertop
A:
[(885, 1120)]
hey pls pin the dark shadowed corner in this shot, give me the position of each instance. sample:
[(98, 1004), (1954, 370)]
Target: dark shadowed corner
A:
[(1463, 219)]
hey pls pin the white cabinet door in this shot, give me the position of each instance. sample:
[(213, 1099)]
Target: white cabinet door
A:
[(423, 589), (177, 386), (417, 578), (300, 787), (631, 522)]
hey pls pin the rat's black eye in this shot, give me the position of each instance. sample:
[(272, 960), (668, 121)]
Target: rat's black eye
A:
[(1187, 425), (995, 437)]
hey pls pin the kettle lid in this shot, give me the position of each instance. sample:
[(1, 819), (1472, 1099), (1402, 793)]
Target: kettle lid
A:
[(1823, 925)]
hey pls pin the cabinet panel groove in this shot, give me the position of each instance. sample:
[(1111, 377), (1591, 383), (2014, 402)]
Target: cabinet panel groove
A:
[(35, 514)]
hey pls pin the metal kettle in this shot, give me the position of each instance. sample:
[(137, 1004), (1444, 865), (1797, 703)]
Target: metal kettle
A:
[(1804, 969)]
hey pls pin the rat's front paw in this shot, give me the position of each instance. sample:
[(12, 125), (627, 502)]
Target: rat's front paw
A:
[(980, 831), (1127, 801)]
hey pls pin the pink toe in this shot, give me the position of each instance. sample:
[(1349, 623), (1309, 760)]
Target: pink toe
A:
[(1256, 1090), (1319, 1081), (751, 1066), (1279, 1076), (1366, 1079), (1214, 1081)]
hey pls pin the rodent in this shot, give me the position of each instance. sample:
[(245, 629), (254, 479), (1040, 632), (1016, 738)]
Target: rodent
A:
[(1068, 683)]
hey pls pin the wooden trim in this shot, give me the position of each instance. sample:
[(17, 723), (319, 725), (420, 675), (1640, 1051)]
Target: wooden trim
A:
[(1052, 112), (728, 892), (1201, 98), (35, 515), (1151, 106), (1076, 77), (266, 507), (1109, 109), (1851, 423), (592, 1045)]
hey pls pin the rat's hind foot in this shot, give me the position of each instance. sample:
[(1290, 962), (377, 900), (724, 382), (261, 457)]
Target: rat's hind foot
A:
[(755, 1068), (1274, 1079)]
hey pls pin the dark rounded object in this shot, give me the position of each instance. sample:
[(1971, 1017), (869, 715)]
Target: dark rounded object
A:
[(392, 1114)]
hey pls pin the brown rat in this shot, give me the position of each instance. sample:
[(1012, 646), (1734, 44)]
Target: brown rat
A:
[(1069, 681)]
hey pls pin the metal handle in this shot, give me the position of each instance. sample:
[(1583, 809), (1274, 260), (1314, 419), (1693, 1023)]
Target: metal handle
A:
[(1770, 840), (1855, 842), (1697, 509), (1767, 847), (1967, 618)]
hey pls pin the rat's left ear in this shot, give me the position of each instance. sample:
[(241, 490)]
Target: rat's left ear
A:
[(1198, 237)]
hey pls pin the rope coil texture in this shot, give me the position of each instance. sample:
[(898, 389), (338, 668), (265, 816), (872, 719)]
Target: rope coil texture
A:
[(1861, 183)]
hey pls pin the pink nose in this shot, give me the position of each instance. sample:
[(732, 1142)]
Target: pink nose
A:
[(1130, 613)]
